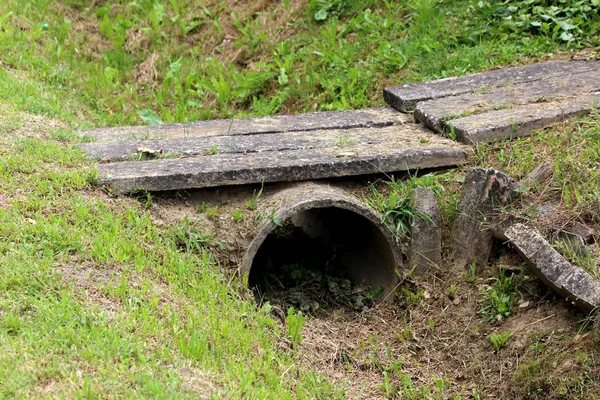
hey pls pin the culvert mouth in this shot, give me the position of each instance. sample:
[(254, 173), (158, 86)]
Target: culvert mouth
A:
[(316, 234)]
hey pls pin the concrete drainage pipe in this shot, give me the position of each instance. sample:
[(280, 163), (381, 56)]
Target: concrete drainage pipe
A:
[(323, 224)]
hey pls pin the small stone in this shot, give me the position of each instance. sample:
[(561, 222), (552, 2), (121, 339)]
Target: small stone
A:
[(148, 152), (545, 210), (524, 304), (456, 301)]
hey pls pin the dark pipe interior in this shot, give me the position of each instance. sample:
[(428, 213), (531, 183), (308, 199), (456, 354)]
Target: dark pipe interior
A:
[(329, 241)]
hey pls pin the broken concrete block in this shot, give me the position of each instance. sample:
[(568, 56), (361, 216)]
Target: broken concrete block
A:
[(576, 237), (426, 238), (484, 190), (538, 176), (575, 284)]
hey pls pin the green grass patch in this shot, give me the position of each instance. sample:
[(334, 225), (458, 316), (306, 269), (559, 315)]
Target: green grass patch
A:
[(184, 61)]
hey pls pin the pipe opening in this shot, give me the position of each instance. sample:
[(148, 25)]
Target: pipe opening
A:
[(330, 252)]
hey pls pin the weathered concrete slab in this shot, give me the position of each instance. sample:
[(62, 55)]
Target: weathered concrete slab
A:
[(426, 237), (438, 114), (573, 283), (406, 97), (341, 138), (278, 166), (364, 118), (483, 191), (521, 121)]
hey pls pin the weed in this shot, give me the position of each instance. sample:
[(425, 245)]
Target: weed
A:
[(513, 126), (201, 208), (345, 141), (397, 209), (431, 325), (251, 203), (452, 291), (471, 273), (212, 212), (190, 238), (412, 298), (237, 215), (498, 340), (498, 298), (295, 322), (452, 132)]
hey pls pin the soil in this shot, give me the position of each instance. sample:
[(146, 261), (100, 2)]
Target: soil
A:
[(430, 337), (438, 337)]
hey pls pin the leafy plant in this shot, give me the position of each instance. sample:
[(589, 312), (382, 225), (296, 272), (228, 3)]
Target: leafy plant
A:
[(149, 117), (498, 298), (237, 214), (294, 322), (498, 340), (320, 10), (397, 209), (190, 238), (573, 21), (345, 140)]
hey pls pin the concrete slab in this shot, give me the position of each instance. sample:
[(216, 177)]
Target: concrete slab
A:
[(364, 118), (484, 190), (438, 114), (404, 153), (406, 97), (211, 145), (522, 120)]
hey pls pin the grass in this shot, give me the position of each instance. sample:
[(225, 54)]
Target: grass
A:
[(153, 60), (557, 368), (498, 340), (98, 301)]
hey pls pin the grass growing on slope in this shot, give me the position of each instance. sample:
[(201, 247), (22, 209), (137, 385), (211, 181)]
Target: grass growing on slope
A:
[(97, 301), (183, 61)]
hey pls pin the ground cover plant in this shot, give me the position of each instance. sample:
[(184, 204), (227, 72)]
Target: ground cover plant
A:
[(98, 299)]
